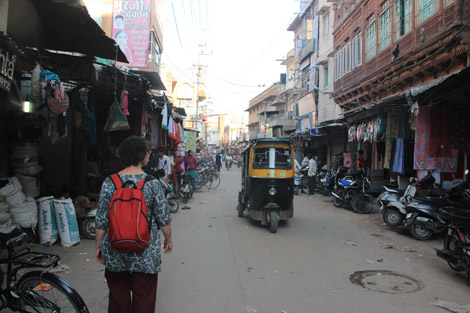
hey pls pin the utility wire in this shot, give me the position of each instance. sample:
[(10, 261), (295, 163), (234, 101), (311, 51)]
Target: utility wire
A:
[(176, 24)]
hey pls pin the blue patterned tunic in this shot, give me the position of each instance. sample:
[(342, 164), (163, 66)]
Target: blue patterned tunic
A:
[(146, 261)]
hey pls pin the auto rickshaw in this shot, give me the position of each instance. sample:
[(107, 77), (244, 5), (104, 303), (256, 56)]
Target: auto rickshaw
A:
[(267, 191)]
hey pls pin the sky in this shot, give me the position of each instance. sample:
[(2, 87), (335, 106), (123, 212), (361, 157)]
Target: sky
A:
[(239, 42)]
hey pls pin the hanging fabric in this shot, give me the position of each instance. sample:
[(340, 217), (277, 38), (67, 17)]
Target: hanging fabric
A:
[(393, 130), (125, 102), (165, 117), (399, 157)]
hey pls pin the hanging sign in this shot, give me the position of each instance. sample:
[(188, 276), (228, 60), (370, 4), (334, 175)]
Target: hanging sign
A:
[(7, 63), (131, 30)]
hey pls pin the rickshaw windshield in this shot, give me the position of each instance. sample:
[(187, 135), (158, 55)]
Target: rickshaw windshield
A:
[(270, 157)]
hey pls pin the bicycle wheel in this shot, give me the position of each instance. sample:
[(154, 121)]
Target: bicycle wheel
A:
[(199, 181), (213, 181), (46, 292)]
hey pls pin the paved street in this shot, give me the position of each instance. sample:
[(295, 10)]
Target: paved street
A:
[(224, 264)]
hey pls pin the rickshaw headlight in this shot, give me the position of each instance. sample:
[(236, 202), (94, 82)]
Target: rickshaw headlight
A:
[(272, 191)]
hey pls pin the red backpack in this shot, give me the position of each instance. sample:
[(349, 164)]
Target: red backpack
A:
[(129, 227)]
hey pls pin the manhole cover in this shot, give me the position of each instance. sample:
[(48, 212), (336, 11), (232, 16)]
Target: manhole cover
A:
[(385, 281)]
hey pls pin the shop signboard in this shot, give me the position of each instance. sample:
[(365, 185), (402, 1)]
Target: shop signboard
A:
[(131, 30), (190, 139), (7, 67)]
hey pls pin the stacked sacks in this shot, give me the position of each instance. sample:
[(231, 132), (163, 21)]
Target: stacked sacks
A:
[(23, 210), (57, 218), (48, 233), (6, 226)]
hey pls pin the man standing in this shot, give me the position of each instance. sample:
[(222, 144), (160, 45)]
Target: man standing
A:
[(164, 162), (312, 171), (218, 161), (191, 165)]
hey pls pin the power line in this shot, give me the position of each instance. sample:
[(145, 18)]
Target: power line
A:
[(176, 24), (232, 83)]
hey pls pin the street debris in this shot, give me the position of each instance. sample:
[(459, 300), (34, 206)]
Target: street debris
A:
[(369, 261), (249, 269), (100, 270), (349, 242), (380, 260), (186, 208), (203, 202), (210, 226), (59, 269), (452, 307), (392, 246), (368, 221)]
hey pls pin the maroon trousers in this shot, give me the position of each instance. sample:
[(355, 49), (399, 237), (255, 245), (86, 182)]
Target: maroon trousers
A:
[(131, 292)]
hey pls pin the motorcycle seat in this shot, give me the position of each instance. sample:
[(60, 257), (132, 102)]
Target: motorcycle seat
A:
[(392, 190), (346, 183), (439, 201)]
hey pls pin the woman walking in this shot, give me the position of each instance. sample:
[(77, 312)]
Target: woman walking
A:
[(132, 277)]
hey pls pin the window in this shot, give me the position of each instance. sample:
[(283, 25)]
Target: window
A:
[(326, 23), (370, 41), (402, 17), (385, 27), (347, 57), (425, 8), (338, 64), (305, 77), (357, 49), (325, 79), (270, 157), (447, 2)]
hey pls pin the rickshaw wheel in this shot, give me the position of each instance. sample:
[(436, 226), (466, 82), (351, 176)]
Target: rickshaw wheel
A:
[(240, 210), (273, 221)]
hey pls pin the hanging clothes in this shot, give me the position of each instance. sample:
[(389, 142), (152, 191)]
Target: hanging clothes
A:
[(125, 102), (399, 157), (439, 143), (171, 129), (393, 130), (165, 117), (422, 160)]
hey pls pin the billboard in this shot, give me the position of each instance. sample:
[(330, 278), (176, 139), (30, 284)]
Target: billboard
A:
[(131, 30)]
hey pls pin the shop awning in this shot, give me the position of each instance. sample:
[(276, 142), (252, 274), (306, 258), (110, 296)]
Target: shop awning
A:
[(59, 25), (154, 79), (454, 81)]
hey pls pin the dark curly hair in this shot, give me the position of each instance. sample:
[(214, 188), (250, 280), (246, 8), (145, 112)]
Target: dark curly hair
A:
[(132, 151)]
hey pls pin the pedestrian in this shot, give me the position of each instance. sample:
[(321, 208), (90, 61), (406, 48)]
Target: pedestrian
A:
[(312, 171), (164, 162), (218, 161), (305, 160), (191, 165), (132, 277), (360, 163), (298, 168)]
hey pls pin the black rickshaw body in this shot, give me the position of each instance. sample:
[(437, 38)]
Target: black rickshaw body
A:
[(268, 173)]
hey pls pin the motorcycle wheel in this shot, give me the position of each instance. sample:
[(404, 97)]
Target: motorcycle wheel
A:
[(326, 191), (362, 203), (392, 217), (88, 228), (273, 221), (420, 232), (451, 243), (185, 197), (338, 202), (174, 205)]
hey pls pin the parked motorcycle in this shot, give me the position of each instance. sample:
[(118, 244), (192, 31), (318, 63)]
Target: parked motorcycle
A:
[(393, 203), (457, 241), (297, 183), (186, 191), (170, 196), (422, 216), (348, 189)]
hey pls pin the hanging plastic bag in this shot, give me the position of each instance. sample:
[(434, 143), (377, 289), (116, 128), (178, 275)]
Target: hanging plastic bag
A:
[(116, 119)]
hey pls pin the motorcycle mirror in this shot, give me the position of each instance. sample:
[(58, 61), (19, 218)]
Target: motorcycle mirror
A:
[(466, 172)]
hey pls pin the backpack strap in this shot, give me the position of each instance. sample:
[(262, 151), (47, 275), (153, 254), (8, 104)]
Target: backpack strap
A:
[(116, 181), (147, 178)]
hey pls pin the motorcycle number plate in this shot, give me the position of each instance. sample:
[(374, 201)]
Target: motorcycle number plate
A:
[(409, 215), (422, 219), (449, 231), (323, 180)]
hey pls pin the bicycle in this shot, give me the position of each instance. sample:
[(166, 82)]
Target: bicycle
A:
[(34, 291), (213, 179)]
